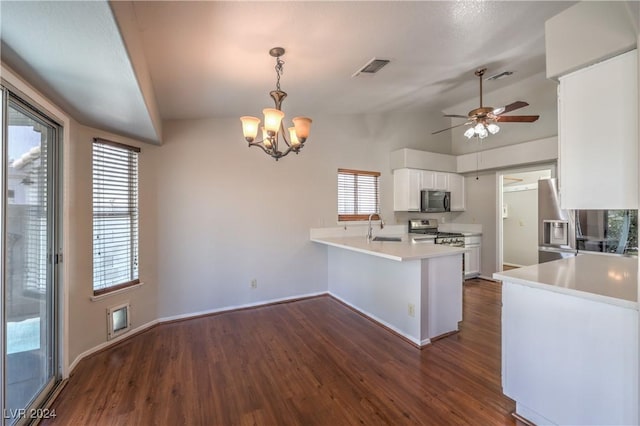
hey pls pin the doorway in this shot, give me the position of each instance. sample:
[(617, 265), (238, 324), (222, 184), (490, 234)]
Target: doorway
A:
[(517, 221), (29, 257)]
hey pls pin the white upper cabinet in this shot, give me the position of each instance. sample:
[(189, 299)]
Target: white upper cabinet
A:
[(428, 179), (407, 184), (435, 180), (598, 135), (456, 187)]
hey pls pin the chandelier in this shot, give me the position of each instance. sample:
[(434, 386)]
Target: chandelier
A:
[(273, 127)]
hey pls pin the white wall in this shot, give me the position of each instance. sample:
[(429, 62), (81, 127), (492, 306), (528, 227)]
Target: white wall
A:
[(520, 228), (589, 32), (87, 323), (228, 214)]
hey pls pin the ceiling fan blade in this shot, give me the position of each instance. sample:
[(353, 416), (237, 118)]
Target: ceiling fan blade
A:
[(511, 107), (449, 128), (517, 118), (456, 115)]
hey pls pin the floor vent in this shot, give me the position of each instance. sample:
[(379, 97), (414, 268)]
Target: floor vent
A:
[(118, 320)]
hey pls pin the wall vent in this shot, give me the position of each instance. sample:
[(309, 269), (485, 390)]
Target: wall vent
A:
[(118, 320), (372, 67)]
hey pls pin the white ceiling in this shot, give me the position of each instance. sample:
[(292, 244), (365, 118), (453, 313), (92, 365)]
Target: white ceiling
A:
[(210, 59)]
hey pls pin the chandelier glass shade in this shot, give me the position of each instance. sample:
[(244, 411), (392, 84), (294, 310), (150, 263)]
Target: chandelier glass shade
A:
[(273, 132), (482, 129)]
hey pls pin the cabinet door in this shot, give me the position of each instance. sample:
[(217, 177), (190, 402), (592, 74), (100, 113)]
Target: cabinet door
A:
[(428, 179), (435, 180), (474, 260), (441, 181), (406, 189), (598, 135), (456, 186)]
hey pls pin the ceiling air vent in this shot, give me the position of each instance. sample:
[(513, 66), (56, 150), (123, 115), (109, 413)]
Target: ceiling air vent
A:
[(372, 67), (499, 76)]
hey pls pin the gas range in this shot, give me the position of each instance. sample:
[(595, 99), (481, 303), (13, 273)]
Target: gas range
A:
[(430, 227), (450, 239)]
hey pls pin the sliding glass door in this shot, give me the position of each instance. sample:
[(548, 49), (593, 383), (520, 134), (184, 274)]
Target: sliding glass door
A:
[(29, 257)]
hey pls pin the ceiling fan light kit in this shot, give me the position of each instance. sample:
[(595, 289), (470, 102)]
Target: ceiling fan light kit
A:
[(273, 128), (483, 120)]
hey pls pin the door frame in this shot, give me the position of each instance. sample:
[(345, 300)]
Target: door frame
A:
[(54, 237), (500, 201)]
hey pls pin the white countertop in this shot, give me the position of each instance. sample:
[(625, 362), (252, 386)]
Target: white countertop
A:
[(472, 234), (399, 251), (608, 279)]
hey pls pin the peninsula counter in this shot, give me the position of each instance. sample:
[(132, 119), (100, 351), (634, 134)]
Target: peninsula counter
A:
[(414, 289)]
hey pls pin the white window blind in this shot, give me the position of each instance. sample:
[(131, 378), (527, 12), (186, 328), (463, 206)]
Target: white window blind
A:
[(358, 194), (115, 215)]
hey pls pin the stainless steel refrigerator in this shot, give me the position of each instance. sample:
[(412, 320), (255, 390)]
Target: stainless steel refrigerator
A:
[(556, 227)]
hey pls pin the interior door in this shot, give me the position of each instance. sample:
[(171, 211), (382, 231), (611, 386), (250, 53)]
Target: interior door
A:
[(29, 257)]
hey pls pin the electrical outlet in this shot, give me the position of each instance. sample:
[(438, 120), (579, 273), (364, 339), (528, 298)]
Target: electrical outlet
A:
[(254, 283), (412, 310)]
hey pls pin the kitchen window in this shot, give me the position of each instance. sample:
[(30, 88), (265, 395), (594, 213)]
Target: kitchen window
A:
[(358, 194), (115, 216)]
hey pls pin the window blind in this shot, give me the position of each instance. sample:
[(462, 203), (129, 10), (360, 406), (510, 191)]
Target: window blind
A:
[(115, 215), (358, 194)]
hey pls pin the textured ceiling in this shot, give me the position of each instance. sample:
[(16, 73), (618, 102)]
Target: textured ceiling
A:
[(210, 59)]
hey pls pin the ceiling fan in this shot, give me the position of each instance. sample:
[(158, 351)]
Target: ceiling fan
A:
[(483, 120)]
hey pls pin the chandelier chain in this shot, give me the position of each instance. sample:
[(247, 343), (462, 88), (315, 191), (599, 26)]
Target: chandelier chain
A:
[(279, 70)]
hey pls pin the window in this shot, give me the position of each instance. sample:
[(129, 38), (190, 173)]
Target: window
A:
[(358, 194), (115, 216)]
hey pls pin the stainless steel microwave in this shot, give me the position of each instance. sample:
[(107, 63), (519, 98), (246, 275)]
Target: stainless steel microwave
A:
[(435, 201)]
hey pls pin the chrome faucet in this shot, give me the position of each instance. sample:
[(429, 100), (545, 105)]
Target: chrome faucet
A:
[(370, 229)]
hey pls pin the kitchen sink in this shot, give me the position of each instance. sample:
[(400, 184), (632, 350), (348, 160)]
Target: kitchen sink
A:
[(396, 239)]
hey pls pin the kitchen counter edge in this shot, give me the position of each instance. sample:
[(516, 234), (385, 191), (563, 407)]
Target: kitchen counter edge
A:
[(391, 250), (524, 276)]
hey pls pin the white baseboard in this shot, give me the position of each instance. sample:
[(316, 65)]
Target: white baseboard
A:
[(236, 307), (108, 343), (483, 277), (143, 327), (382, 322), (515, 265)]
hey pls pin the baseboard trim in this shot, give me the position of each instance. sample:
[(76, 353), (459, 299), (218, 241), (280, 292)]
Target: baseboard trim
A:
[(414, 342), (192, 315), (184, 317), (109, 343)]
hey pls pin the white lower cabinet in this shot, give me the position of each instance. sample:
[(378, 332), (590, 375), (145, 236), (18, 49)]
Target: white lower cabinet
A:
[(569, 360), (472, 257)]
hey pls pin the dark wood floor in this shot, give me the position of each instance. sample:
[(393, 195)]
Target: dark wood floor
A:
[(310, 362)]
